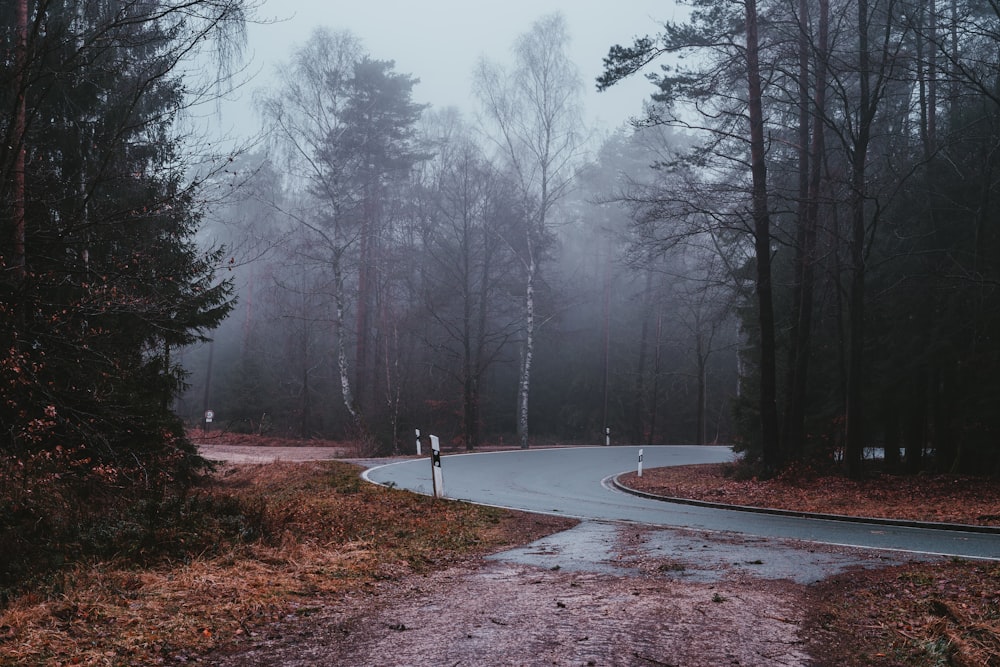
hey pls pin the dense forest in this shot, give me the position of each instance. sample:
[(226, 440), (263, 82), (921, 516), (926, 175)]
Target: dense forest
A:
[(844, 162), (402, 267), (792, 249)]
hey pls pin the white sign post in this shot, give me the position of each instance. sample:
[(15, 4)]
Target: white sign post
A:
[(639, 474), (436, 467), (418, 440)]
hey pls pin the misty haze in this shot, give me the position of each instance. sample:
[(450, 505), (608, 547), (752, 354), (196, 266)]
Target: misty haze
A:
[(475, 273)]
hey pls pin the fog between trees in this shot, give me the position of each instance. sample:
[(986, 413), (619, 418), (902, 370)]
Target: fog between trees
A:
[(832, 176), (433, 234)]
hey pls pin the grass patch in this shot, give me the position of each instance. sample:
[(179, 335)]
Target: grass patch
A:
[(295, 537)]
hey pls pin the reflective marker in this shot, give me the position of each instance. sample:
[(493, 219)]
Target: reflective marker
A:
[(436, 467)]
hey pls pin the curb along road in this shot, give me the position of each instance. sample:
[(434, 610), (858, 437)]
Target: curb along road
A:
[(906, 523)]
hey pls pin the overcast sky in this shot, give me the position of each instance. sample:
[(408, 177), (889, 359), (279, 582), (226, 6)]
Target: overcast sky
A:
[(439, 42)]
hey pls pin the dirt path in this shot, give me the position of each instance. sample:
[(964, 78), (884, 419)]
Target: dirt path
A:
[(655, 597), (245, 454), (500, 613)]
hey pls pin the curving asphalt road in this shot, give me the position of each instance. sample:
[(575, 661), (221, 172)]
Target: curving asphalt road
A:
[(574, 482)]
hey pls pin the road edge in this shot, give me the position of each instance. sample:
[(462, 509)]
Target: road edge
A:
[(846, 518)]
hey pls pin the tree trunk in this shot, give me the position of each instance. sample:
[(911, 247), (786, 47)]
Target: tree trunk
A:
[(916, 426), (762, 245), (472, 348), (639, 407), (702, 355), (207, 397), (654, 392), (529, 349), (479, 360), (890, 442), (810, 153), (470, 411), (945, 435), (854, 444), (363, 316), (19, 261), (306, 415), (855, 434), (342, 367)]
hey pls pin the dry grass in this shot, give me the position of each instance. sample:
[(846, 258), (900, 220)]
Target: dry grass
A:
[(322, 533), (311, 535), (915, 615)]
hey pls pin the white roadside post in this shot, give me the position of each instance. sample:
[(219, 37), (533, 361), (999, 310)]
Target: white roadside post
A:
[(418, 440), (639, 474), (436, 467), (607, 436)]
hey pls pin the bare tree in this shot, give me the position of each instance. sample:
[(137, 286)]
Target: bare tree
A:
[(533, 114), (467, 278), (307, 114), (812, 111)]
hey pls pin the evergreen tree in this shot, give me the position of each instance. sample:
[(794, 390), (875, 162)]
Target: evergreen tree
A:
[(112, 280)]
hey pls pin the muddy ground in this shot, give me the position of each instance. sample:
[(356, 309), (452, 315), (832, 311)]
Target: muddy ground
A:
[(600, 594)]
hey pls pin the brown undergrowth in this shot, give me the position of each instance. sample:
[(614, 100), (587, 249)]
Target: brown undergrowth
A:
[(314, 532), (942, 498), (916, 615), (921, 614)]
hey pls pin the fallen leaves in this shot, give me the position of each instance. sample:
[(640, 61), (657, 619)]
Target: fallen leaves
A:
[(918, 614), (940, 498)]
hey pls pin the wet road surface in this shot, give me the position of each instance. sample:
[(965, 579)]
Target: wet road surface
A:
[(573, 482)]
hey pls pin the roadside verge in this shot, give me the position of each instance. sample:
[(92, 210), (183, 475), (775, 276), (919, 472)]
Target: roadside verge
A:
[(960, 527)]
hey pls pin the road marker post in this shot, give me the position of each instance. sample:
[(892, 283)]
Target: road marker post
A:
[(639, 474), (436, 475), (607, 436), (418, 440)]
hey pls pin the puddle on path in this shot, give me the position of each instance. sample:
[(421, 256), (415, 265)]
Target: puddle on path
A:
[(624, 549), (591, 546)]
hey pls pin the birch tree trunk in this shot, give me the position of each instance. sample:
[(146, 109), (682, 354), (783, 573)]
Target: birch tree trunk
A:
[(524, 385), (342, 366)]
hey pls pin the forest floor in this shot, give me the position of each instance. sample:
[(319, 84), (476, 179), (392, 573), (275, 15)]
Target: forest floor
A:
[(353, 574)]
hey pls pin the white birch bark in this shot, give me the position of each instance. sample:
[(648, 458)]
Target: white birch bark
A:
[(529, 351), (342, 366)]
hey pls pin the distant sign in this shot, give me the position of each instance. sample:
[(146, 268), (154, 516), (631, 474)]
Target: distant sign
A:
[(209, 415)]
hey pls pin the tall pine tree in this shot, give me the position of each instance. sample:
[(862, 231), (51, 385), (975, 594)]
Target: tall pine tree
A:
[(112, 279)]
